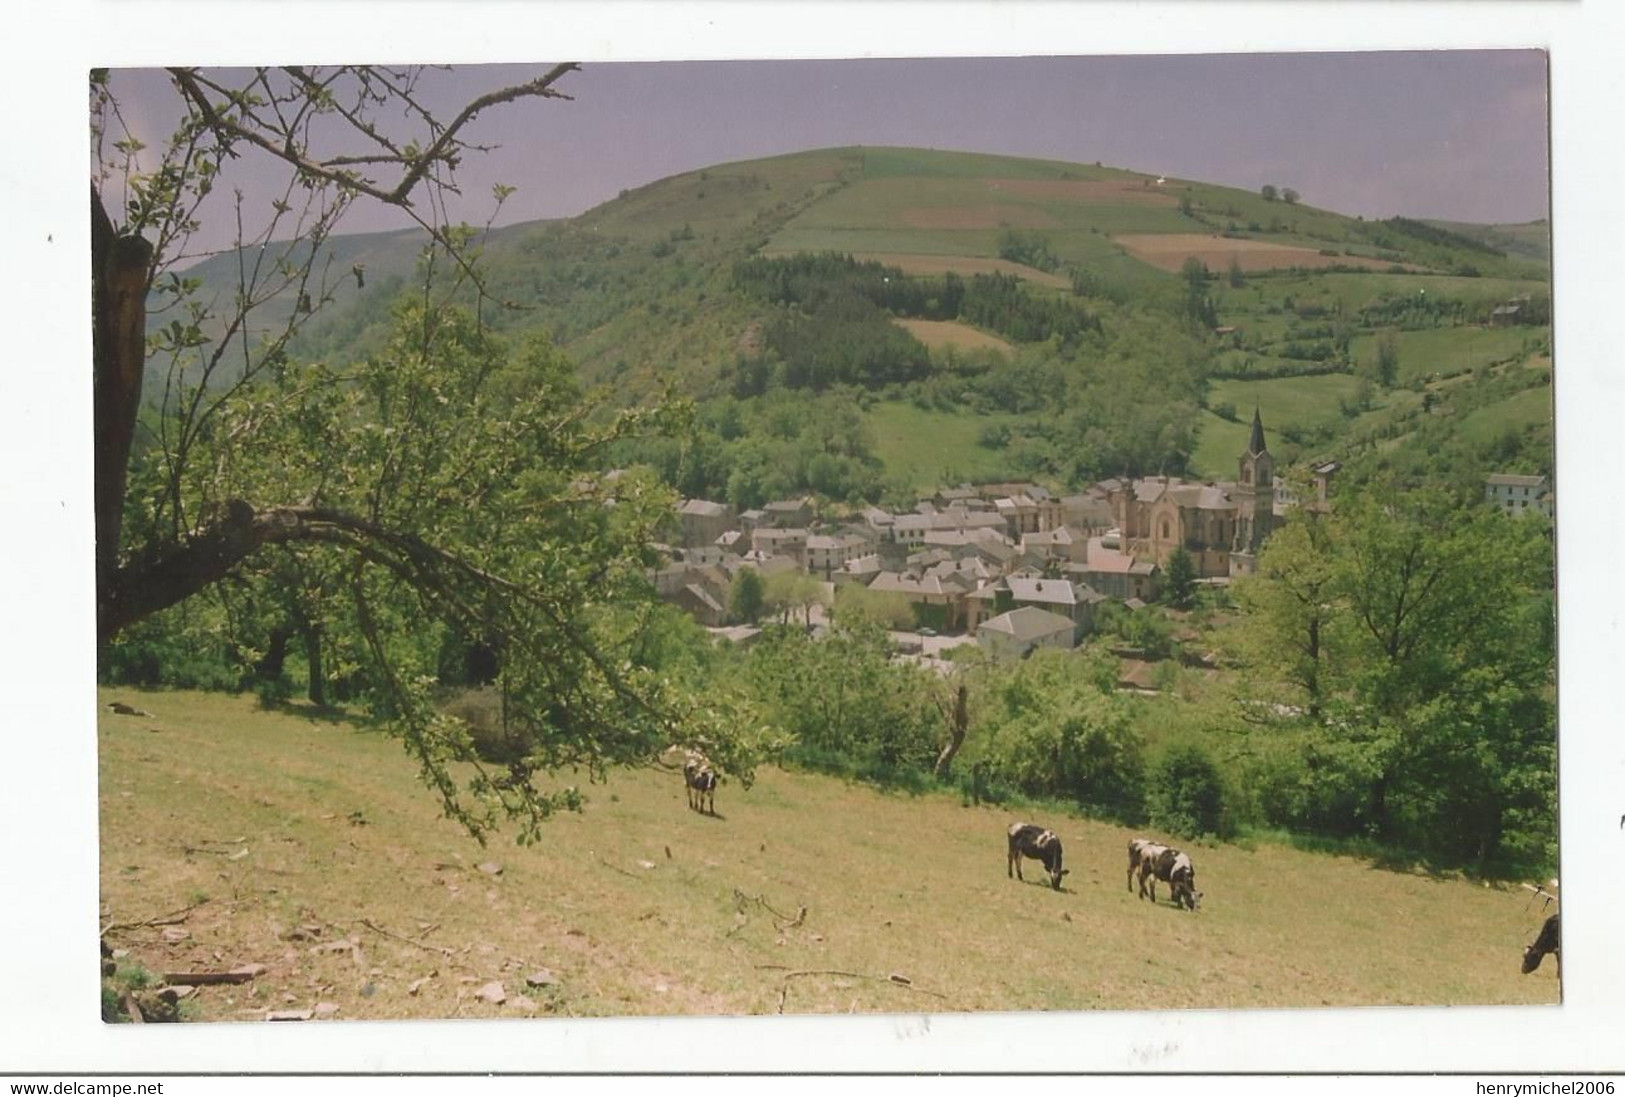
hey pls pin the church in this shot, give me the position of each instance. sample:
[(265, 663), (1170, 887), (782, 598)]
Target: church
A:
[(1222, 526)]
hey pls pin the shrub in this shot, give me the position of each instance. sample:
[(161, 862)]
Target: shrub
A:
[(1185, 794)]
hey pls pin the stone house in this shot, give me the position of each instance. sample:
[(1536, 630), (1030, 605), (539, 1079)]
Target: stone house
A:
[(774, 541), (1117, 574), (703, 521), (1518, 495), (789, 513), (827, 553), (1020, 631), (938, 603)]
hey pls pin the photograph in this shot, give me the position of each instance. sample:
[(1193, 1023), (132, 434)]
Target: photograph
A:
[(586, 540)]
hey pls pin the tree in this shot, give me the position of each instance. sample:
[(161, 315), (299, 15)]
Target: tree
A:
[(1419, 632), (1387, 359), (1181, 588), (745, 596), (448, 485), (1289, 196), (843, 699), (1198, 305), (1290, 608), (1269, 192)]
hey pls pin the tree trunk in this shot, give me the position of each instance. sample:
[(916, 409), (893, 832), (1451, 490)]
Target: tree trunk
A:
[(270, 667), (119, 268), (317, 690), (957, 723)]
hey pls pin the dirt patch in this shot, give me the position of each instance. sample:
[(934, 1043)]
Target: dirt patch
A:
[(1168, 251), (950, 333), (966, 265), (977, 217), (1090, 191)]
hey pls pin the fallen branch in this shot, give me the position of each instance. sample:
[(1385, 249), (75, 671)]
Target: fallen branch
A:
[(617, 868), (205, 978), (172, 918), (440, 950), (782, 921)]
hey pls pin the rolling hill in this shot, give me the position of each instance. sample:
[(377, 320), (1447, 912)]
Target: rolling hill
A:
[(642, 291)]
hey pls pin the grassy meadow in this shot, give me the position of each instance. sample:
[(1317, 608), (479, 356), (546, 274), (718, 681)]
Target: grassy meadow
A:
[(304, 843), (931, 448)]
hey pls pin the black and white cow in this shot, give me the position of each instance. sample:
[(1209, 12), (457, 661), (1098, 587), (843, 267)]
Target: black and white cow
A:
[(701, 780), (1142, 854), (1156, 862), (1549, 940), (1032, 840)]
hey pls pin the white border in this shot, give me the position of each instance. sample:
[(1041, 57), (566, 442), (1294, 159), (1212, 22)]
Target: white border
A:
[(48, 900)]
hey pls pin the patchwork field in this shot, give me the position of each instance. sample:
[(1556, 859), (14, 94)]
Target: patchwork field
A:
[(1169, 250), (937, 334), (306, 845)]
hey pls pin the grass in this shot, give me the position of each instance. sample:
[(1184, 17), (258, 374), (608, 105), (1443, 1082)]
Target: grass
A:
[(1304, 402), (931, 448), (696, 933), (1527, 408), (1449, 350), (1218, 444)]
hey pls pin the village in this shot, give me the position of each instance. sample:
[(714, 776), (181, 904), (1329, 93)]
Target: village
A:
[(1010, 566)]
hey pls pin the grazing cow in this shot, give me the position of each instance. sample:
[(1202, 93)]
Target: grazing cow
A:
[(701, 780), (1549, 940), (1170, 866), (1032, 840), (1142, 854)]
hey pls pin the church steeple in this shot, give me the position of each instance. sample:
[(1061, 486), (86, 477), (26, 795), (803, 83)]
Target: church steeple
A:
[(1255, 500), (1255, 445)]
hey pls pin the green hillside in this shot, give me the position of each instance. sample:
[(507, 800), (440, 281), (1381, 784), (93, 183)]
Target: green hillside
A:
[(350, 891), (645, 291), (1530, 240)]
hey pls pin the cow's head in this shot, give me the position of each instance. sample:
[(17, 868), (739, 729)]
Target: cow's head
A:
[(1051, 852), (1532, 957), (1183, 884)]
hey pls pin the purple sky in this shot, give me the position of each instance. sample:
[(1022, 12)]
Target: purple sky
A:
[(1458, 135)]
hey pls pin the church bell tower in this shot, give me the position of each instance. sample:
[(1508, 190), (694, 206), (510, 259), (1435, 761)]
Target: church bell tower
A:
[(1255, 501)]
